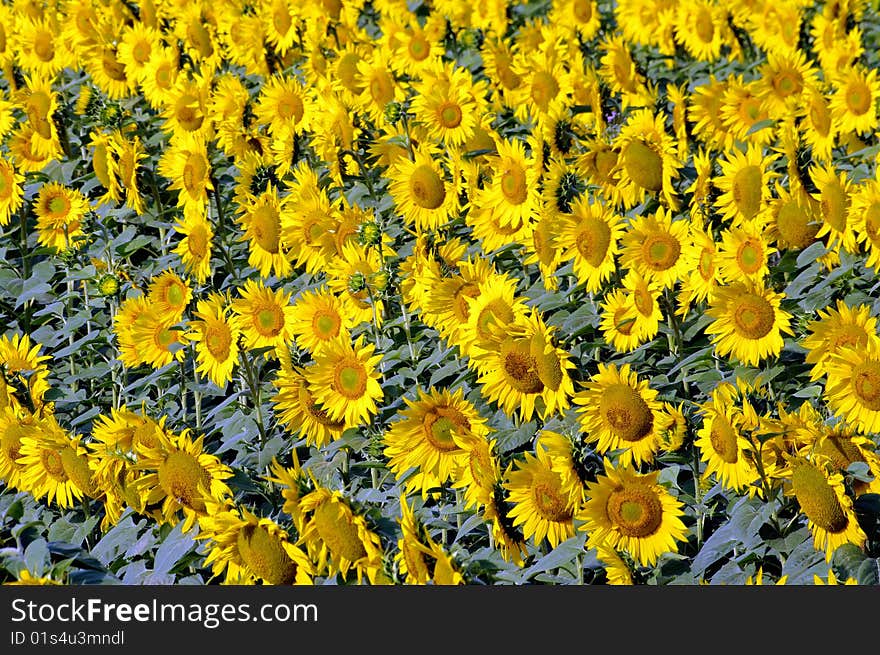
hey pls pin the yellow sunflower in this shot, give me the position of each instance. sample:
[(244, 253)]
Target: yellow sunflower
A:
[(154, 340), (620, 412), (701, 28), (838, 327), (299, 412), (11, 190), (345, 380), (284, 106), (320, 317), (426, 436), (261, 218), (589, 237), (822, 498), (245, 548), (818, 127), (339, 538), (541, 504), (263, 315), (24, 375), (648, 162), (744, 253), (54, 465), (644, 296), (60, 212), (865, 214), (653, 246), (421, 191), (169, 296), (186, 164), (14, 425), (748, 322), (852, 389), (179, 476), (790, 219), (511, 196), (632, 512), (215, 338), (853, 102), (194, 248), (723, 446), (834, 190), (619, 324), (419, 558), (744, 184), (702, 274)]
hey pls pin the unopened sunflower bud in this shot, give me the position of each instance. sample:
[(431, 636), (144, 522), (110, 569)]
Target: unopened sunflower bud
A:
[(108, 285), (369, 233), (468, 38), (393, 110), (357, 282), (110, 115)]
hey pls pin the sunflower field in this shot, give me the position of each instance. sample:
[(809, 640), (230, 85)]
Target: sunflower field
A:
[(385, 292)]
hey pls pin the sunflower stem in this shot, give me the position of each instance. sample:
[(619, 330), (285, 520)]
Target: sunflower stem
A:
[(407, 331), (197, 398), (698, 496), (182, 388), (70, 338), (253, 384)]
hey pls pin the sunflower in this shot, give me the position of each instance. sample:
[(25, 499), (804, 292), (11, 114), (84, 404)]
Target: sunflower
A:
[(619, 323), (543, 249), (308, 222), (194, 249), (784, 78), (107, 72), (421, 192), (744, 184), (482, 471), (742, 108), (617, 571), (11, 190), (284, 106), (320, 317), (704, 111), (632, 512), (541, 504), (618, 70), (843, 446), (747, 322), (852, 389), (653, 245), (448, 105), (179, 476), (345, 381), (159, 77), (261, 219), (511, 196), (263, 315), (744, 253), (186, 164), (589, 237), (865, 215), (60, 212), (299, 412), (703, 275), (14, 425), (245, 548), (580, 16), (186, 109), (619, 411), (24, 375), (853, 102), (724, 447), (378, 85), (339, 537), (352, 276), (426, 436), (790, 219), (834, 198), (156, 340), (28, 153), (647, 163), (54, 465), (215, 338), (491, 312), (818, 128), (136, 46), (545, 85), (835, 328), (822, 498), (644, 296), (419, 558), (169, 296), (38, 46), (701, 28)]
